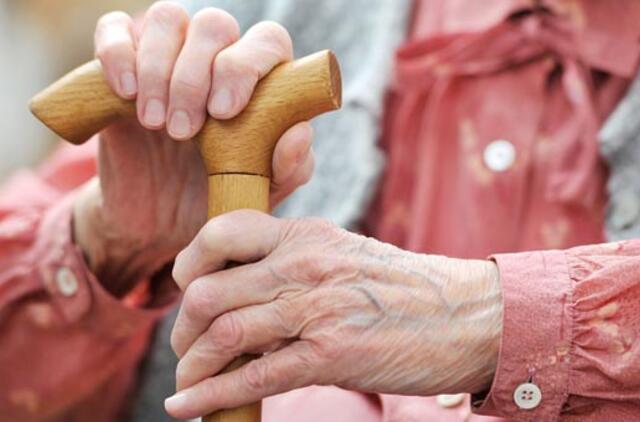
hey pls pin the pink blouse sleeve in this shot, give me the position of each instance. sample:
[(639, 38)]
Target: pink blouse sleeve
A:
[(569, 345), (62, 333)]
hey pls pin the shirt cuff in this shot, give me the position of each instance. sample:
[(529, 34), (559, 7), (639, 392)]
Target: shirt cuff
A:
[(76, 292), (536, 338)]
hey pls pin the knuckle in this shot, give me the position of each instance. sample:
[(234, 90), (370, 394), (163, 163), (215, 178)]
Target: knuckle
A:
[(315, 259), (181, 372), (112, 18), (216, 23), (189, 85), (113, 50), (196, 302), (319, 227), (227, 332), (314, 268), (224, 228), (307, 260), (221, 234), (328, 348), (256, 375), (214, 233), (175, 342), (275, 37), (153, 74), (308, 267), (231, 64), (284, 316), (304, 363), (168, 13)]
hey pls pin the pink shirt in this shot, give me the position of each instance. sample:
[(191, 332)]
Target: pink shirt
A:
[(491, 135), (70, 351)]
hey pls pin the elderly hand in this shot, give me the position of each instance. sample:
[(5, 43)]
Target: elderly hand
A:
[(326, 306), (150, 199)]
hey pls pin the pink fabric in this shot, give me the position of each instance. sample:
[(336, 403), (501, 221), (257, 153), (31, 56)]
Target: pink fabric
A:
[(321, 404), (528, 80), (63, 357), (571, 325), (544, 80)]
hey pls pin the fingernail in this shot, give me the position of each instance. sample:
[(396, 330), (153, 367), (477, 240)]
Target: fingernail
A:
[(180, 124), (175, 402), (128, 83), (154, 113), (222, 102)]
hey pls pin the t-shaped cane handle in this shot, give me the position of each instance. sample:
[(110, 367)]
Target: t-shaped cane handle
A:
[(237, 152)]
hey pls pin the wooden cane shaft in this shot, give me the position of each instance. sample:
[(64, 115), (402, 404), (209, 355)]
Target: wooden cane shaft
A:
[(248, 413), (237, 152), (229, 192)]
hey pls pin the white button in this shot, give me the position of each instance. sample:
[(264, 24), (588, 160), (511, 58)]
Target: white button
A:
[(449, 400), (499, 155), (66, 281), (527, 396)]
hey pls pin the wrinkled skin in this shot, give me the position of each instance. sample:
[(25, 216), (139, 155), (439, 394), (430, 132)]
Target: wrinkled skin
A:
[(330, 307), (149, 199)]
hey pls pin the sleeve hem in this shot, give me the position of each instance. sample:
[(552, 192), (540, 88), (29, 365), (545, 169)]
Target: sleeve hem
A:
[(537, 333), (75, 290)]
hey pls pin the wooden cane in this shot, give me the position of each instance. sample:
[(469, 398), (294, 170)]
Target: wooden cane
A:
[(237, 152)]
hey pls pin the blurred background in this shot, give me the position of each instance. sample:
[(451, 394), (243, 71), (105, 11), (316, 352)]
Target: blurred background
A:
[(39, 41)]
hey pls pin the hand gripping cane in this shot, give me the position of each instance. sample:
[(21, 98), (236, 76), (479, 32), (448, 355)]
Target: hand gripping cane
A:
[(237, 152)]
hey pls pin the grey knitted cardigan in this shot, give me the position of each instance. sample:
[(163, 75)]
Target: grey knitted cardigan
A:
[(364, 34)]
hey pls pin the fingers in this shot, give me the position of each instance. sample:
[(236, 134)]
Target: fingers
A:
[(253, 329), (210, 31), (292, 367), (210, 296), (179, 70), (116, 50), (162, 37), (292, 161), (300, 177), (238, 68), (240, 236), (291, 151)]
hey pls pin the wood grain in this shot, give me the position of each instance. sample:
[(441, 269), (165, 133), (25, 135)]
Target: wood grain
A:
[(230, 192), (80, 104), (293, 92)]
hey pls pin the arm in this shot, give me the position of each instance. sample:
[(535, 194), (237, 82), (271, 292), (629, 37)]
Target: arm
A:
[(152, 196), (333, 308), (336, 308), (63, 332), (53, 310)]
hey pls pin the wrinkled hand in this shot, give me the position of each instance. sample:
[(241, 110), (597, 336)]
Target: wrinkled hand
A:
[(327, 307), (151, 196)]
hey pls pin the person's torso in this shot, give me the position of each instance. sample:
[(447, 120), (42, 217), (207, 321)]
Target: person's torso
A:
[(491, 127)]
